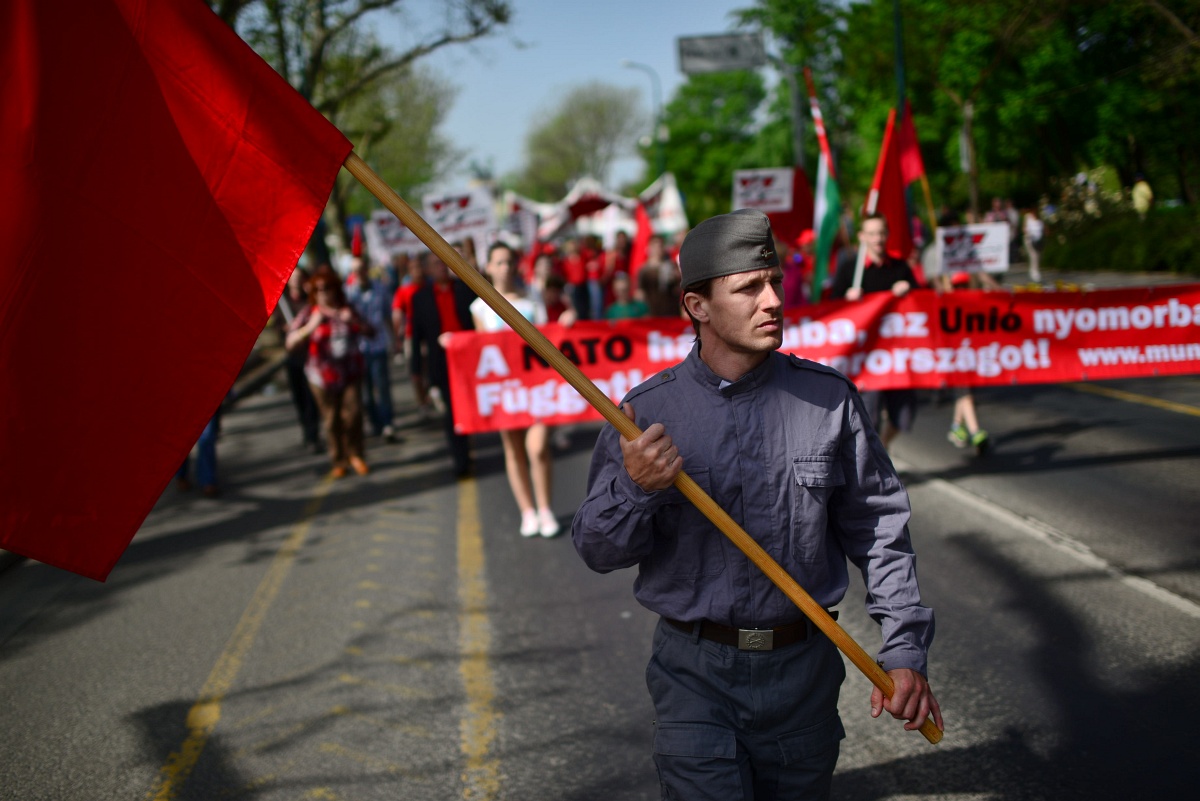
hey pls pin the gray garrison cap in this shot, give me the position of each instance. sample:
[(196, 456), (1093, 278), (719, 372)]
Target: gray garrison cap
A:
[(737, 242)]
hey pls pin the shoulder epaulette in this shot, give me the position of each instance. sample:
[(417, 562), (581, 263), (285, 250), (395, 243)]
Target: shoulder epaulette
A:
[(808, 364), (659, 379)]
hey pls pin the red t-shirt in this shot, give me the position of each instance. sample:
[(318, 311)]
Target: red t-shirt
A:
[(574, 269), (402, 300), (555, 310), (447, 307)]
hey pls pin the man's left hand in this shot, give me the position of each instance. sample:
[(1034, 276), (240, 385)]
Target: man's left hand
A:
[(912, 700)]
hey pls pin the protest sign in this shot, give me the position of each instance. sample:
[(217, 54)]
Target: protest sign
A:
[(768, 190), (462, 215), (924, 340), (982, 247)]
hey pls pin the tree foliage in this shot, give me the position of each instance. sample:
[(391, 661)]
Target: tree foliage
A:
[(712, 128), (582, 135), (374, 93), (397, 130), (1054, 87)]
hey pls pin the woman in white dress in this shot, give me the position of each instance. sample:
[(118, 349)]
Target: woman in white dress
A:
[(526, 450)]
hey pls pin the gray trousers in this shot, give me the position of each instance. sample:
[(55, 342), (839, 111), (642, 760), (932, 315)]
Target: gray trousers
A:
[(744, 725)]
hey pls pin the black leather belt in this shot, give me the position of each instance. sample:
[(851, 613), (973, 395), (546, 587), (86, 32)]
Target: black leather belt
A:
[(749, 639)]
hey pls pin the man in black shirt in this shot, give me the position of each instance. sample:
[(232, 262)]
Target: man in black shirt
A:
[(881, 273)]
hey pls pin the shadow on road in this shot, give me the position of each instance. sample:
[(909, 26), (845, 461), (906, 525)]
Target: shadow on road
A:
[(1097, 741)]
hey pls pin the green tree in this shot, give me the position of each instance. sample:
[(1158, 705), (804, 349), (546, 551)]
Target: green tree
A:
[(396, 129), (582, 135), (1147, 56), (327, 50), (711, 119), (802, 32)]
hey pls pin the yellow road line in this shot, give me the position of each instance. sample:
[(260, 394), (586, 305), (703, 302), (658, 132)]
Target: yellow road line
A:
[(202, 718), (1133, 397), (477, 729)]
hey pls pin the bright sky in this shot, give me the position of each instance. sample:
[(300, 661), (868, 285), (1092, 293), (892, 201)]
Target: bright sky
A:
[(553, 46)]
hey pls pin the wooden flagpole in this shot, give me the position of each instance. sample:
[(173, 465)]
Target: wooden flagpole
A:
[(626, 427)]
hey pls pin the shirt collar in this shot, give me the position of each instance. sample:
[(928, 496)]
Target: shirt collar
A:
[(751, 380)]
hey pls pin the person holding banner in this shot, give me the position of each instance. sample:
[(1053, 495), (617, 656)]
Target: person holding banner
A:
[(526, 450), (745, 687), (880, 273)]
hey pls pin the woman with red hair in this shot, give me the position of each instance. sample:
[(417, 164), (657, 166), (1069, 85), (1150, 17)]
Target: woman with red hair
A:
[(334, 367)]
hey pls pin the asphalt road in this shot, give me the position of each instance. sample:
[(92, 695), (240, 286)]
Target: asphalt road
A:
[(393, 637)]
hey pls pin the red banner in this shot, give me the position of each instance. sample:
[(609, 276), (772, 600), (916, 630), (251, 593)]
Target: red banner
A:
[(922, 341)]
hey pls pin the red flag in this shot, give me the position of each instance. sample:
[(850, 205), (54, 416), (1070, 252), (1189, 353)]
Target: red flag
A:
[(160, 183), (788, 225), (641, 240), (887, 194), (912, 166)]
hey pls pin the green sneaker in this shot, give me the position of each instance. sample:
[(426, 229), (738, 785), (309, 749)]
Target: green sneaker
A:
[(979, 438), (959, 436)]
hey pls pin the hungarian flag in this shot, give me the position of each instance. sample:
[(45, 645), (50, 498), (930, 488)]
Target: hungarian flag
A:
[(887, 193), (827, 212), (827, 205), (161, 181)]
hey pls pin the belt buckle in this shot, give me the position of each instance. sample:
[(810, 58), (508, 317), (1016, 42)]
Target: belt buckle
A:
[(756, 639)]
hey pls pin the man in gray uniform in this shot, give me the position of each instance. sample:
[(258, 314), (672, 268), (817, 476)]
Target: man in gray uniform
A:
[(745, 688)]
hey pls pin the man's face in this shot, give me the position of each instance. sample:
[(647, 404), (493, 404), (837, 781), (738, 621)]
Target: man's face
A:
[(744, 314), (874, 238)]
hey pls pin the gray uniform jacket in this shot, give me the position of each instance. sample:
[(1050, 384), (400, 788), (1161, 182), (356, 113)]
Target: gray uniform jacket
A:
[(788, 452)]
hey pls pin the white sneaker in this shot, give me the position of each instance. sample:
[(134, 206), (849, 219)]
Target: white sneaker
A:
[(548, 523), (530, 524)]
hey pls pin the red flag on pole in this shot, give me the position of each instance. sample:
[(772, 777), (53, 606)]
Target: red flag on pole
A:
[(161, 181), (912, 166), (887, 193)]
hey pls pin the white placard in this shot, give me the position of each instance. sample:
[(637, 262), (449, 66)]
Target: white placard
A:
[(769, 191), (386, 235), (458, 215), (982, 247)]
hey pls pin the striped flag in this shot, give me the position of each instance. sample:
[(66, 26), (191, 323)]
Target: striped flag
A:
[(827, 205)]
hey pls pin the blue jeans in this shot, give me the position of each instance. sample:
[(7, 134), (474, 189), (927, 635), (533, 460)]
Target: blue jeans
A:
[(744, 725), (206, 455), (377, 391)]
